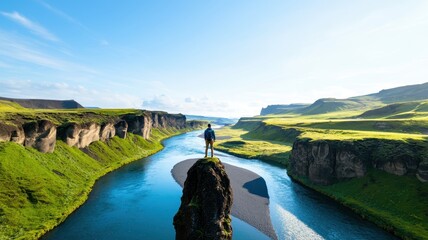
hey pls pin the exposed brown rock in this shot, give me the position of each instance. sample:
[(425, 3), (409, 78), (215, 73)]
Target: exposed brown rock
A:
[(121, 128), (205, 207), (422, 173), (107, 131), (81, 135), (328, 161), (40, 135), (140, 125), (11, 133), (18, 135)]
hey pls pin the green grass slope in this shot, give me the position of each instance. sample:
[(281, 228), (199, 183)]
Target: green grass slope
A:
[(7, 106), (400, 94), (418, 92), (411, 109), (39, 190), (398, 204), (326, 105)]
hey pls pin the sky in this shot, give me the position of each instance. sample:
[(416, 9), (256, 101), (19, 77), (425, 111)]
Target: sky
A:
[(226, 58)]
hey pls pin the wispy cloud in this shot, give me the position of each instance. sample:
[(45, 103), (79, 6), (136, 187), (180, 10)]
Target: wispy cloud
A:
[(32, 26), (16, 48), (74, 21), (62, 14), (199, 105)]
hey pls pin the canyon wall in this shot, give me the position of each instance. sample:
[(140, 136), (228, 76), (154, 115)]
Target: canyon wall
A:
[(328, 161), (42, 134)]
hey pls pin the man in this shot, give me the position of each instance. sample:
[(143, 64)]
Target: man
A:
[(209, 136)]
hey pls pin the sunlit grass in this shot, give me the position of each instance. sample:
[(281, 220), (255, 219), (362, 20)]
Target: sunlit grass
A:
[(58, 116), (348, 129), (251, 148)]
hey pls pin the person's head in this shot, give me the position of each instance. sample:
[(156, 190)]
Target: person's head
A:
[(209, 125)]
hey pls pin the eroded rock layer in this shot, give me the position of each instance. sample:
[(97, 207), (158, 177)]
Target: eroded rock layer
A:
[(42, 134), (328, 161)]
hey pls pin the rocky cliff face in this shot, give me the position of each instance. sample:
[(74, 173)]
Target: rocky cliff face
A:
[(196, 124), (80, 135), (329, 161), (42, 134), (205, 207)]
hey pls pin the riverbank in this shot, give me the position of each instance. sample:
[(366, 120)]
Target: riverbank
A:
[(386, 200), (39, 190), (250, 195)]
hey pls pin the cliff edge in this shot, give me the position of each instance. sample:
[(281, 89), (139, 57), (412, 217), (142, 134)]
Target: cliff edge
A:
[(328, 161)]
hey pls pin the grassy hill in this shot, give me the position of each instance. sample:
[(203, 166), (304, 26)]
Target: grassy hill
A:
[(400, 94), (282, 109), (326, 105), (7, 106), (413, 93), (44, 103), (412, 109)]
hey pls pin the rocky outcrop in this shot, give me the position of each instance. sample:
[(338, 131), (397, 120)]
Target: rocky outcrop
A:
[(195, 124), (41, 135), (80, 135), (328, 161), (140, 125), (205, 207), (11, 133), (121, 128), (107, 131), (422, 173)]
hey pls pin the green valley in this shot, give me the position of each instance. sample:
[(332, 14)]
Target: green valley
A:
[(371, 157)]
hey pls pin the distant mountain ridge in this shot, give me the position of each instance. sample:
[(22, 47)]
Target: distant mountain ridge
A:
[(408, 93), (401, 94), (45, 103), (214, 120), (279, 108)]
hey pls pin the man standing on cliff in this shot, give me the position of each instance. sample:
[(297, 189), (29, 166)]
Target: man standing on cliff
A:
[(209, 136)]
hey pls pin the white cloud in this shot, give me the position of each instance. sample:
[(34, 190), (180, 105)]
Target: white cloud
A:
[(16, 48), (19, 88), (201, 106), (161, 102), (32, 26)]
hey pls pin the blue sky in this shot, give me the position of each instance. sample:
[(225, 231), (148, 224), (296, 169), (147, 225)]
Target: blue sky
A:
[(214, 58)]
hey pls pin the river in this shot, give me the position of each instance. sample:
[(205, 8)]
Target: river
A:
[(139, 200)]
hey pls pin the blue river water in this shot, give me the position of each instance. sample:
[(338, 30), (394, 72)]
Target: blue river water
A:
[(139, 200)]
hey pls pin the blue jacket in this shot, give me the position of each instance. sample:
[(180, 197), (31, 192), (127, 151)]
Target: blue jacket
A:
[(209, 134)]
